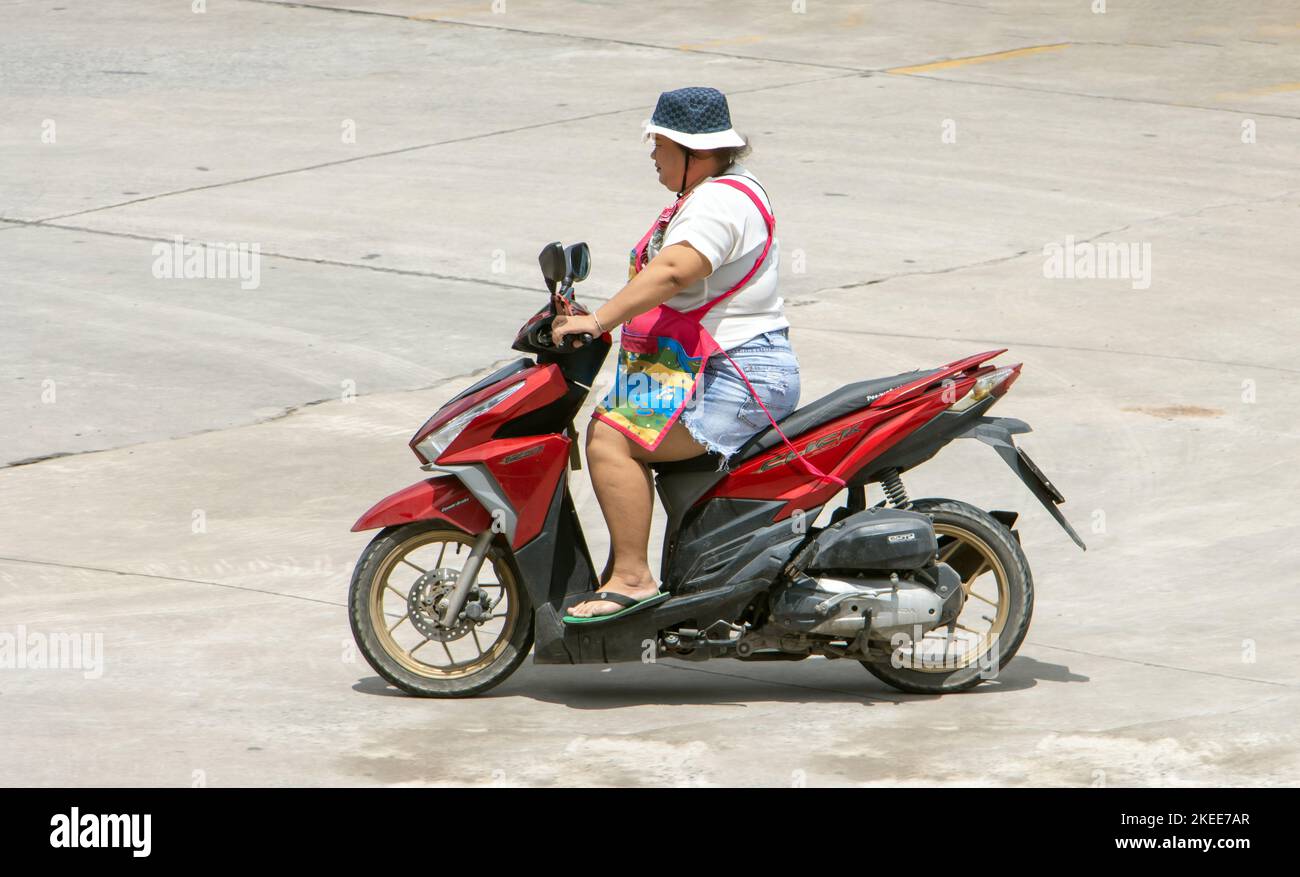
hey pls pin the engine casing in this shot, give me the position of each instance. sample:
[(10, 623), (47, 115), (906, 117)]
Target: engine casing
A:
[(842, 606)]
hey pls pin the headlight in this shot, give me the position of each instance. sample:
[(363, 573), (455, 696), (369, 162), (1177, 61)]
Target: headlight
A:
[(432, 446), (983, 388)]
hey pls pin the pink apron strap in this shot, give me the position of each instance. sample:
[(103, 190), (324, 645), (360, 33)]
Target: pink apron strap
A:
[(664, 217), (769, 220), (812, 469)]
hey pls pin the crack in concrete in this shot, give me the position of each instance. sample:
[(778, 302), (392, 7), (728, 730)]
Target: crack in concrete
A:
[(1084, 94), (1155, 723), (1177, 214), (318, 166), (1160, 666), (49, 220), (333, 263), (143, 575), (1011, 343), (864, 71), (949, 270), (555, 34), (286, 412)]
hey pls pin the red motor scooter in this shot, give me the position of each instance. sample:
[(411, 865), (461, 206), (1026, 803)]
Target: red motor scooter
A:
[(473, 566)]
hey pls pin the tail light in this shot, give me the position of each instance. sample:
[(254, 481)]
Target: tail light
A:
[(995, 383)]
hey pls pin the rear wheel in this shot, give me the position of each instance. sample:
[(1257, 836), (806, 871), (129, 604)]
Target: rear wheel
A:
[(991, 625), (394, 606)]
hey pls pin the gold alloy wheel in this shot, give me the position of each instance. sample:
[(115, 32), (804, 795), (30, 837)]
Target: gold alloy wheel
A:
[(435, 558), (979, 625)]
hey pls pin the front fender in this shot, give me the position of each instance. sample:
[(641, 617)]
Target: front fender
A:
[(441, 498)]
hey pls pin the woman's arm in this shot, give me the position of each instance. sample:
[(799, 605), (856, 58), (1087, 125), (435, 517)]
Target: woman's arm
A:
[(668, 273)]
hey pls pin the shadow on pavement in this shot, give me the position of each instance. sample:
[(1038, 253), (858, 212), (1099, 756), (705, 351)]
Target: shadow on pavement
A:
[(726, 683)]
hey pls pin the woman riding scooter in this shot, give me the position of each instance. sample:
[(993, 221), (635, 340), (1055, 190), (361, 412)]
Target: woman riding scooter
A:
[(704, 325)]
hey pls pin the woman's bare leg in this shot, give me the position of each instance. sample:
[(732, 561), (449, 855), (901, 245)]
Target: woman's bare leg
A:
[(625, 489)]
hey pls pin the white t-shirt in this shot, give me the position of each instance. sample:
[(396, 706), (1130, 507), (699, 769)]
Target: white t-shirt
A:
[(727, 229)]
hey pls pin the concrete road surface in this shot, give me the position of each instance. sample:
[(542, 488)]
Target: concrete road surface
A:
[(184, 456)]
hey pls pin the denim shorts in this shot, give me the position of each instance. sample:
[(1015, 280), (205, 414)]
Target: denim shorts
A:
[(723, 415)]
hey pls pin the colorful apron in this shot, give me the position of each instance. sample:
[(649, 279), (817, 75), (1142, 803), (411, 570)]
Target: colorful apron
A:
[(662, 352)]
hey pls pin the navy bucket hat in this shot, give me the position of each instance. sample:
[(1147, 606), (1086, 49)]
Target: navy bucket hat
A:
[(695, 117)]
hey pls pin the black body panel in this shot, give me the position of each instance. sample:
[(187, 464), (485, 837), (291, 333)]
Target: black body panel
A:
[(579, 367), (581, 364), (555, 564), (680, 484), (721, 538), (505, 371), (725, 562), (635, 636)]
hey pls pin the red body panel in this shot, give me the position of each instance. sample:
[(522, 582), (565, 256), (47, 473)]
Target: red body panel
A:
[(543, 384), (527, 469), (443, 497), (840, 447), (952, 369), (845, 445)]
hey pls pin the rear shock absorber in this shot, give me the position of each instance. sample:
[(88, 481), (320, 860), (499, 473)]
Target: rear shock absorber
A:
[(894, 489)]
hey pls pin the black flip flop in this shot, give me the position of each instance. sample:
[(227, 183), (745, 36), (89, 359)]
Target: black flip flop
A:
[(630, 604)]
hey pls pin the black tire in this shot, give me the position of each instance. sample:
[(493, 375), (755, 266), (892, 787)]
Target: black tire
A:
[(973, 523), (384, 551)]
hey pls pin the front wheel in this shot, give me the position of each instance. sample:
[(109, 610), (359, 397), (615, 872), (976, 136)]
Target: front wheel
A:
[(993, 621), (394, 606)]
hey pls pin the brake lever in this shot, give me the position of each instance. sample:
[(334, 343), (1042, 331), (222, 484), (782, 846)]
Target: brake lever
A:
[(564, 305)]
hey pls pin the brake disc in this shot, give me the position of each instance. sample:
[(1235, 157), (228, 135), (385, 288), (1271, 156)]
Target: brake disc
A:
[(428, 599)]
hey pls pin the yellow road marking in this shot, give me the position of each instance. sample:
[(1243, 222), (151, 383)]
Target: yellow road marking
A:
[(1277, 30), (978, 59), (730, 41), (1256, 92)]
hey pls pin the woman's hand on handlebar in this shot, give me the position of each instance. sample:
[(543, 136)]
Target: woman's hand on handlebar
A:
[(579, 324)]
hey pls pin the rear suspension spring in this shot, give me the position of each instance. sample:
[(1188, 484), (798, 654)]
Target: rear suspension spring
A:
[(894, 489)]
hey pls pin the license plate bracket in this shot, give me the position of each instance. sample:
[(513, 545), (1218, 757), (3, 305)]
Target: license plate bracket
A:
[(1038, 474)]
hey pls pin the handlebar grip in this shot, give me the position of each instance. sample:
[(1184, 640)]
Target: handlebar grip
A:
[(544, 338), (571, 341)]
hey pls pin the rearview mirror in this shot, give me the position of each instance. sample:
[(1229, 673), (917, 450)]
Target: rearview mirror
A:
[(577, 258), (554, 261)]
